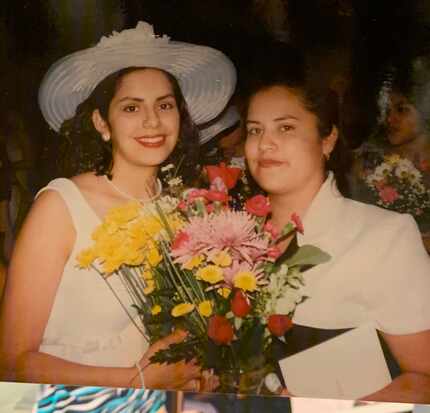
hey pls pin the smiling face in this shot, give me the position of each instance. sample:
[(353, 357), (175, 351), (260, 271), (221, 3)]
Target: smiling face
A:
[(404, 123), (284, 150), (143, 119)]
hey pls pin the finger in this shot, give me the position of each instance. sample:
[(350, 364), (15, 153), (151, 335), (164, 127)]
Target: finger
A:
[(192, 385), (176, 337)]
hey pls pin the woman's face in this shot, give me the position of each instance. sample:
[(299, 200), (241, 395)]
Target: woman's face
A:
[(143, 119), (403, 120), (284, 150)]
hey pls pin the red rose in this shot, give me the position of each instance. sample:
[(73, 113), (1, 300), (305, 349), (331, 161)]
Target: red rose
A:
[(220, 330), (229, 175), (258, 205), (195, 193), (217, 196), (180, 239), (240, 304), (279, 324), (297, 223)]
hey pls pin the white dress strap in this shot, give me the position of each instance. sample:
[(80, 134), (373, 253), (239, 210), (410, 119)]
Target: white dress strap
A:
[(83, 216)]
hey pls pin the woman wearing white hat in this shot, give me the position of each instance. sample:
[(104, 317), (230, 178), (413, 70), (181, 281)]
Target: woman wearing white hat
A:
[(135, 98)]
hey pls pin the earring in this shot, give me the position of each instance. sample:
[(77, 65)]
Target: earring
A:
[(327, 156), (106, 137)]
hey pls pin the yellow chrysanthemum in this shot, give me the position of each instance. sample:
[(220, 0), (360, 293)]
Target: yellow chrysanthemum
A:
[(152, 226), (193, 262), (147, 275), (105, 230), (211, 274), (205, 308), (86, 257), (222, 259), (150, 287), (123, 214), (224, 292), (137, 235), (156, 309), (182, 309), (245, 280), (109, 266), (153, 256)]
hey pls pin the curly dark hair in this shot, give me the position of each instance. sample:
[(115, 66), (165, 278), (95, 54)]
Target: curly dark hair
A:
[(83, 150), (283, 65)]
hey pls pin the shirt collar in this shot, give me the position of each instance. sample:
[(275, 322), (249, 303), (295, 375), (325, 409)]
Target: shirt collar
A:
[(323, 211)]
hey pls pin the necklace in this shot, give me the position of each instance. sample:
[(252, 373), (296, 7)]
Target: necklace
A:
[(128, 196)]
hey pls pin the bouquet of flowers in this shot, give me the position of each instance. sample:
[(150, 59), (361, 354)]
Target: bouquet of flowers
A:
[(397, 184), (192, 262)]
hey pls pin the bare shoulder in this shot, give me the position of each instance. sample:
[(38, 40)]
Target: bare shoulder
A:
[(48, 217)]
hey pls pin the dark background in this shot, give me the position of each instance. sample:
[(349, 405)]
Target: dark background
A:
[(353, 39)]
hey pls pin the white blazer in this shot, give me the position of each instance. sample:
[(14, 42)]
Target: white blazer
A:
[(379, 271)]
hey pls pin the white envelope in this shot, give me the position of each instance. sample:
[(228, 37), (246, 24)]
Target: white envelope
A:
[(348, 366)]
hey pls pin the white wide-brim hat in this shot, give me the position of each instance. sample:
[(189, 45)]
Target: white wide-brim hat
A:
[(225, 120), (206, 76)]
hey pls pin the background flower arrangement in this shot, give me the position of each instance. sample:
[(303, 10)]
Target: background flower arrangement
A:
[(398, 184), (193, 262)]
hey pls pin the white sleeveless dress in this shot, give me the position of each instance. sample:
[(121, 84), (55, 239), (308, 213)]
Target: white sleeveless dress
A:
[(87, 324)]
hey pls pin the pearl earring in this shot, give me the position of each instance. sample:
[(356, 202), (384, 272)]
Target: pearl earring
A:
[(106, 137)]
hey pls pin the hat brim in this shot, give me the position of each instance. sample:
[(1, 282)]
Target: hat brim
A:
[(226, 120), (207, 78)]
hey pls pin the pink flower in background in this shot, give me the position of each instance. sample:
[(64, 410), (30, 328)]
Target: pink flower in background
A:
[(388, 194), (228, 230), (295, 219)]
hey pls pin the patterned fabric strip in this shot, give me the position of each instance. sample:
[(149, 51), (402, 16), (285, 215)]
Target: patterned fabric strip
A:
[(70, 399)]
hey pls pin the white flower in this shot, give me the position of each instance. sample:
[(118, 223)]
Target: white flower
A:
[(287, 303), (175, 181), (167, 167), (143, 32), (382, 170), (405, 168), (238, 162)]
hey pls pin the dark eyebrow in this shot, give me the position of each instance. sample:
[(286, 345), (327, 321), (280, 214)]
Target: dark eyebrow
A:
[(136, 99), (286, 117)]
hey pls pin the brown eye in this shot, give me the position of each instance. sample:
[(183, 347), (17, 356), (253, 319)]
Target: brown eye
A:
[(253, 131), (166, 106), (130, 108), (286, 128)]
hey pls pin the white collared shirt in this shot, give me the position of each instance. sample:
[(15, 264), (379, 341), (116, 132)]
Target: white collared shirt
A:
[(379, 271)]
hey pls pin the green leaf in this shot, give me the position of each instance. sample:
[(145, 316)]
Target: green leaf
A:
[(292, 249), (307, 255)]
